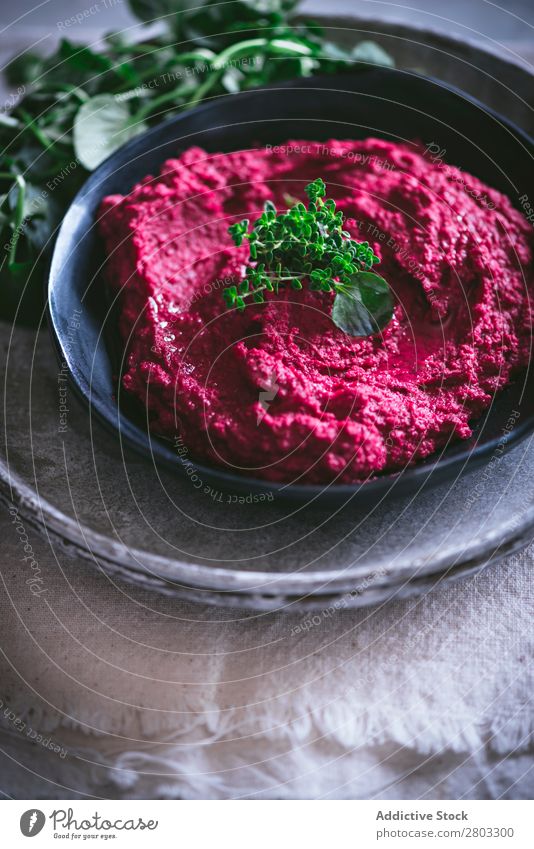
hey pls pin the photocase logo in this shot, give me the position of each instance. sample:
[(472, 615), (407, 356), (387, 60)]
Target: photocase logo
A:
[(32, 822), (267, 395)]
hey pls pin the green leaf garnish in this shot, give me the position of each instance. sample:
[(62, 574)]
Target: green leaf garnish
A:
[(307, 245), (365, 308), (102, 125)]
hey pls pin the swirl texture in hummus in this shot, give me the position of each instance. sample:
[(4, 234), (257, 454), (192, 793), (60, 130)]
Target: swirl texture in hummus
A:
[(278, 392)]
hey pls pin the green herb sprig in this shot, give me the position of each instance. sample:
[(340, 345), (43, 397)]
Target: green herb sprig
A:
[(307, 245)]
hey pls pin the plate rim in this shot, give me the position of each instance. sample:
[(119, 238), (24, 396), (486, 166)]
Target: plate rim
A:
[(484, 550)]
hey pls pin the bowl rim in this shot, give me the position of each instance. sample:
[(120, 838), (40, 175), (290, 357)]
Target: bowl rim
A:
[(149, 446)]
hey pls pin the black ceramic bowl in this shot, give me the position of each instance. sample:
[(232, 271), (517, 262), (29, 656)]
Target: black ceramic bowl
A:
[(391, 104)]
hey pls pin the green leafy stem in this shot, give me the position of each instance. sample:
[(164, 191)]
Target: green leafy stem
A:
[(70, 109), (307, 245)]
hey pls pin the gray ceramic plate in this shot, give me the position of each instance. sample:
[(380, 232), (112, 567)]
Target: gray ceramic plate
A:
[(102, 505)]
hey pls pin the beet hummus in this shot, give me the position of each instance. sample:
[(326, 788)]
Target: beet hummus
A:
[(278, 391)]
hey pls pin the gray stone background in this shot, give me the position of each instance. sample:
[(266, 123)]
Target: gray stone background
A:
[(507, 20)]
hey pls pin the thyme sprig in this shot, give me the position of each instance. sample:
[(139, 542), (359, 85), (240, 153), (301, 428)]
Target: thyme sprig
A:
[(307, 245)]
